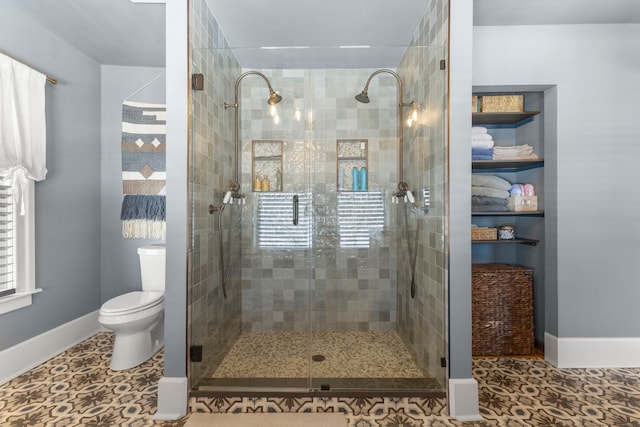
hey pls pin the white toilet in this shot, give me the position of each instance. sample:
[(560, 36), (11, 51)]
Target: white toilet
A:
[(137, 317)]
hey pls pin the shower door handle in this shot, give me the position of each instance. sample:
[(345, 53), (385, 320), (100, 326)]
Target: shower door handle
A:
[(295, 210)]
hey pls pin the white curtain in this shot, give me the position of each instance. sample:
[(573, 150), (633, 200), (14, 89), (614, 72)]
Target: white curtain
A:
[(22, 125)]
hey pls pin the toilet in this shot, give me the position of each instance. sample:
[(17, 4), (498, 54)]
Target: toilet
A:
[(137, 318)]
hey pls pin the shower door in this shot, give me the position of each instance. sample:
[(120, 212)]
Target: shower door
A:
[(303, 280), (251, 251)]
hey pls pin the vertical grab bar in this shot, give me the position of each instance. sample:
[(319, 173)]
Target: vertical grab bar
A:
[(295, 210)]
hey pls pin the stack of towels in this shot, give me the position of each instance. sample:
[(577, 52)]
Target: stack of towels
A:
[(514, 152), (489, 193), (481, 144)]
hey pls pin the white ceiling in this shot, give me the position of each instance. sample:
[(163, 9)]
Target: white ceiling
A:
[(387, 26), (118, 32), (113, 32)]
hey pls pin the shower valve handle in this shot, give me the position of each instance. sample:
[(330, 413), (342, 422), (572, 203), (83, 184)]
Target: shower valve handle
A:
[(412, 200), (295, 210), (227, 197)]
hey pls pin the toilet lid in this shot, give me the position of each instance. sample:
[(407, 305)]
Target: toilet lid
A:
[(132, 301)]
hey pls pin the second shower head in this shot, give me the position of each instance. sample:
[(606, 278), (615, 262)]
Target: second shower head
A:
[(363, 97), (274, 98)]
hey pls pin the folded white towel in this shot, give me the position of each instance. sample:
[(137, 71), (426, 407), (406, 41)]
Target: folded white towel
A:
[(478, 129), (482, 143), (481, 136), (514, 152), (516, 147), (511, 148), (515, 156)]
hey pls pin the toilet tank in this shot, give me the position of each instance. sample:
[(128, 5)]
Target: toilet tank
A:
[(152, 261)]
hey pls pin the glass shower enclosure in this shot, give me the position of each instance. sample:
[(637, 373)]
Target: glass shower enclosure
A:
[(319, 250)]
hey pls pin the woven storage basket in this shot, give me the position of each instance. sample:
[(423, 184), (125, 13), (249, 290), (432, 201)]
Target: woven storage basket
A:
[(484, 233), (502, 103), (502, 310)]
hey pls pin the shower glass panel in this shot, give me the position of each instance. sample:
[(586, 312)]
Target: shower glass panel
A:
[(334, 279)]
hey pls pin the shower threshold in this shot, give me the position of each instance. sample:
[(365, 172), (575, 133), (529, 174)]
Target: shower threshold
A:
[(298, 386), (259, 390), (337, 363)]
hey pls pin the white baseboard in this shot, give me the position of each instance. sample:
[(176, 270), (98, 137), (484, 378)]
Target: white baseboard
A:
[(592, 352), (463, 399), (173, 398), (28, 354)]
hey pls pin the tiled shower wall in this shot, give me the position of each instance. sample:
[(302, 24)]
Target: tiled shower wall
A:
[(350, 289), (422, 320), (345, 288), (215, 321)]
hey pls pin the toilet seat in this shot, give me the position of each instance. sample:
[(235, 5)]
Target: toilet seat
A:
[(131, 302)]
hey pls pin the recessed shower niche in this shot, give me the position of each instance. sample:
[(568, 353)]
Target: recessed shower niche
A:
[(266, 165), (352, 154)]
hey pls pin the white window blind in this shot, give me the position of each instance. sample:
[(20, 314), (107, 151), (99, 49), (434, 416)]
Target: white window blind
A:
[(275, 221), (7, 240), (359, 214)]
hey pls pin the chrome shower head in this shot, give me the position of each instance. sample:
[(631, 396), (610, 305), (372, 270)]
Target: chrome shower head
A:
[(363, 97), (274, 98)]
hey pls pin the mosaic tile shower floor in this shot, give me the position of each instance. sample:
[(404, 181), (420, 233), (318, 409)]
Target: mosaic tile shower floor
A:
[(366, 354), (76, 388)]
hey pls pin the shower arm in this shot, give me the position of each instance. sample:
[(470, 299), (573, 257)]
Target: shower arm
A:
[(401, 105), (236, 123)]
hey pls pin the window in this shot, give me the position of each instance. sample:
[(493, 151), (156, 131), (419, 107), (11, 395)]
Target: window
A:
[(17, 267)]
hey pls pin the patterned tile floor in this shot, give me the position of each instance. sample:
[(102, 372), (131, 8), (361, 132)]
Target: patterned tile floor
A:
[(76, 388)]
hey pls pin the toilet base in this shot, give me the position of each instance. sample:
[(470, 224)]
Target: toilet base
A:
[(133, 349)]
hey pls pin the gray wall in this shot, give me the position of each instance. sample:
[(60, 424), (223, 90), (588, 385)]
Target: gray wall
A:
[(68, 201), (120, 271), (459, 63), (175, 361), (596, 69)]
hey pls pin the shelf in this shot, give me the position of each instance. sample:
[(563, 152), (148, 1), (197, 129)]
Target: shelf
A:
[(269, 158), (351, 158), (511, 119), (508, 213), (519, 240), (507, 165)]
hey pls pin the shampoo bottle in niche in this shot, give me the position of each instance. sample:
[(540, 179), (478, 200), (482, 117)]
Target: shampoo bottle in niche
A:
[(265, 184), (257, 183), (355, 186), (363, 179), (278, 180)]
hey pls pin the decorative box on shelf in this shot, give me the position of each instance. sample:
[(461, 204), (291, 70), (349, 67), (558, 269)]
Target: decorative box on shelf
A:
[(502, 103), (484, 233), (522, 203)]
